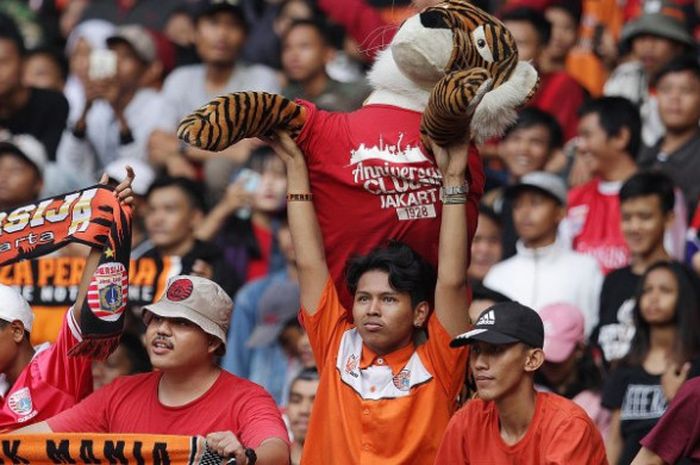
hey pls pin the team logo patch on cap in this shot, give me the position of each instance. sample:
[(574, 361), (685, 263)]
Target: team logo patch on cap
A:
[(108, 291), (180, 290), (402, 380), (20, 402)]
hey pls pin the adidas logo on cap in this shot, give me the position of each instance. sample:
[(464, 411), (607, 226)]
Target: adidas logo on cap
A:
[(488, 318)]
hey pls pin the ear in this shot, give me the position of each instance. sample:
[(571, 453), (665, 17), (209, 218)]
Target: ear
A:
[(420, 314), (329, 55), (18, 332), (561, 213), (534, 358), (621, 139), (670, 218), (214, 345)]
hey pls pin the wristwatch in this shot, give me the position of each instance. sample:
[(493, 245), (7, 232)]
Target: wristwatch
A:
[(250, 454), (455, 190)]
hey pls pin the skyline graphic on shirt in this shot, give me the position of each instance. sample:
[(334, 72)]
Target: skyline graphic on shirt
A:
[(393, 153)]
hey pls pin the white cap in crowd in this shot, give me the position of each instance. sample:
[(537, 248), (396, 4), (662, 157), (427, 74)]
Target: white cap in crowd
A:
[(13, 307), (25, 146)]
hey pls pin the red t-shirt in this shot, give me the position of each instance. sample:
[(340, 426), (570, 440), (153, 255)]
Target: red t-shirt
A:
[(560, 433), (594, 221), (561, 96), (259, 267), (51, 383), (677, 434), (372, 181), (130, 405)]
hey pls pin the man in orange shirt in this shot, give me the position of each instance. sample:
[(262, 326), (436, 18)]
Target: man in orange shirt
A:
[(511, 423), (381, 399)]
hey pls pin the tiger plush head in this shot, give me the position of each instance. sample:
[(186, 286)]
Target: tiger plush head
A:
[(452, 36)]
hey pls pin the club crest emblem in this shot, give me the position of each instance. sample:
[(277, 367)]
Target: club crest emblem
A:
[(351, 365), (20, 402), (107, 293), (402, 380), (179, 290)]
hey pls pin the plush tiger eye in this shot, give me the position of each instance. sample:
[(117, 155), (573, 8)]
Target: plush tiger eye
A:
[(481, 42)]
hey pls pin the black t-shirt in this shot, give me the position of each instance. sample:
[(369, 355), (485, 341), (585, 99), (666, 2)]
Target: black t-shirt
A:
[(641, 401), (44, 117), (616, 325)]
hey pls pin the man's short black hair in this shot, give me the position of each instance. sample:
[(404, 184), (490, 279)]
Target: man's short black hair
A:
[(307, 374), (315, 24), (531, 117), (9, 31), (571, 7), (614, 114), (192, 189), (408, 272), (532, 16), (647, 183), (491, 214), (54, 55), (678, 65)]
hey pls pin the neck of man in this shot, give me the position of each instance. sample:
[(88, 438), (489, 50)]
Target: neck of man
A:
[(315, 85), (677, 138), (261, 219), (543, 241), (295, 451), (515, 412), (217, 75), (641, 262), (183, 385), (178, 250), (14, 101), (550, 64), (621, 170), (26, 352)]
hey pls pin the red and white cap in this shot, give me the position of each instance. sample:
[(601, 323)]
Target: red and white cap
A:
[(13, 307), (563, 330)]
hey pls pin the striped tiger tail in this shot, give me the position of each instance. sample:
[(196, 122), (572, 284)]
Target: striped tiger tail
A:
[(233, 117)]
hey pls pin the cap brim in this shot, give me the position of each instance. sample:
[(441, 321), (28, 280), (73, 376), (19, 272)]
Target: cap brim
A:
[(558, 351), (512, 191), (482, 335), (168, 309), (264, 335)]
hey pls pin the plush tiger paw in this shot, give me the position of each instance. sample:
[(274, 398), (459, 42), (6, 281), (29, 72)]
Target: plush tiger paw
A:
[(452, 103)]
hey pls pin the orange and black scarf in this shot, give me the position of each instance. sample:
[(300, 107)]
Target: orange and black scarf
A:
[(49, 449), (91, 216)]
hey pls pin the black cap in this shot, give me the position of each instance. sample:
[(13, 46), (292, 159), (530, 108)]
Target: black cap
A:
[(210, 7), (505, 323)]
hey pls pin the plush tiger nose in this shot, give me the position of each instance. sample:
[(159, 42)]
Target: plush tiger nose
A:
[(434, 19)]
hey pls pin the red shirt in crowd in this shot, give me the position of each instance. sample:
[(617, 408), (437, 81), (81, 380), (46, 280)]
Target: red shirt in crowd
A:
[(677, 433), (130, 404), (560, 433), (372, 181), (561, 96), (51, 383), (593, 220)]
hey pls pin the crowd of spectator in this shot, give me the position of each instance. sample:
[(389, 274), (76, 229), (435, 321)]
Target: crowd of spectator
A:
[(590, 217)]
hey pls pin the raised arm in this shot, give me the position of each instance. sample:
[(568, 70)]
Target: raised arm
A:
[(451, 303), (233, 117), (303, 224)]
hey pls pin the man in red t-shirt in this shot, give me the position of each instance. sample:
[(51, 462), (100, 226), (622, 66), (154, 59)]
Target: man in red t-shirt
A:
[(609, 136), (37, 383), (189, 394), (511, 423)]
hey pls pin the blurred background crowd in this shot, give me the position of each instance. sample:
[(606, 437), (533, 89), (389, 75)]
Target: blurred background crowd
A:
[(590, 217)]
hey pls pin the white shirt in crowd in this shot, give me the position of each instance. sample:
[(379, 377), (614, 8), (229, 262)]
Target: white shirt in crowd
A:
[(101, 145), (548, 275), (184, 89)]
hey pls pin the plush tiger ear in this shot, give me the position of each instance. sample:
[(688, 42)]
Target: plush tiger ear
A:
[(498, 109), (233, 117)]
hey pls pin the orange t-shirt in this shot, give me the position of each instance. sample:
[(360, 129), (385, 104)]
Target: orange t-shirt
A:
[(561, 433), (370, 409)]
